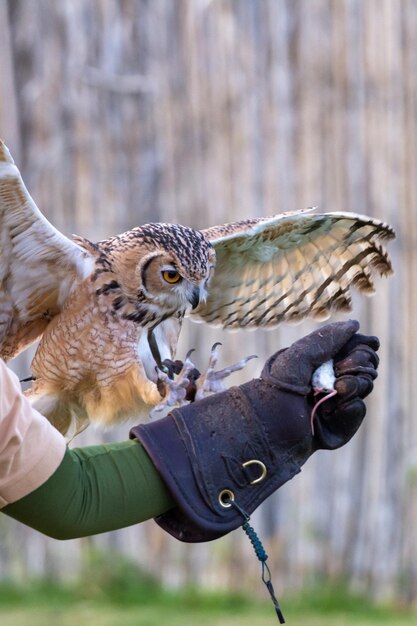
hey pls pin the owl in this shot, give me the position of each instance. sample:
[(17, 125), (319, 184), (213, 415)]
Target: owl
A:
[(108, 314)]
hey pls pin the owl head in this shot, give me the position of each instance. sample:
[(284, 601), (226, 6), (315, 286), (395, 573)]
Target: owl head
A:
[(166, 266)]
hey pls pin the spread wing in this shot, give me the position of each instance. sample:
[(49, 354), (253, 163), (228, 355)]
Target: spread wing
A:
[(38, 265), (292, 266)]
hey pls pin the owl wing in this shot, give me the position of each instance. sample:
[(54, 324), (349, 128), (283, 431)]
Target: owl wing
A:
[(38, 265), (291, 266)]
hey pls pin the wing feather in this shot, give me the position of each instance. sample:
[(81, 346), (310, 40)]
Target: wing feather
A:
[(38, 265), (291, 266)]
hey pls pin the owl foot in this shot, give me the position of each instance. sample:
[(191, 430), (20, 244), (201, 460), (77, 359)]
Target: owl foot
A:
[(212, 381), (175, 392), (189, 385)]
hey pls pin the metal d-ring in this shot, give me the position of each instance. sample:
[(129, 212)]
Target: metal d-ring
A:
[(225, 498), (263, 470)]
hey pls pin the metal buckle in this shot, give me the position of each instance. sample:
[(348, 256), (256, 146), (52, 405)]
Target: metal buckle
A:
[(263, 470)]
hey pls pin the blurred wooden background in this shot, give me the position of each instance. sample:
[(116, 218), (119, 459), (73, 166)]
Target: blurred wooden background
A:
[(121, 112)]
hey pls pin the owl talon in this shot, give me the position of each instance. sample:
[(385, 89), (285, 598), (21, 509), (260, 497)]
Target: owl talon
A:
[(212, 381), (175, 367), (171, 367), (189, 384), (175, 392)]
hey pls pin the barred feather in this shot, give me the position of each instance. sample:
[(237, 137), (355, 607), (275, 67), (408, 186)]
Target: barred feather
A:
[(292, 266)]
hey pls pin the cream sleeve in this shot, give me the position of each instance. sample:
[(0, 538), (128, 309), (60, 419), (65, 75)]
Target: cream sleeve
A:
[(31, 449)]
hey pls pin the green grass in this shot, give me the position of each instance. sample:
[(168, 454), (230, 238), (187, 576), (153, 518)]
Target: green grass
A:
[(51, 606), (111, 592), (48, 605)]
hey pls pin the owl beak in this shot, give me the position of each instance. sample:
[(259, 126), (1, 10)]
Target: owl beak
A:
[(194, 299)]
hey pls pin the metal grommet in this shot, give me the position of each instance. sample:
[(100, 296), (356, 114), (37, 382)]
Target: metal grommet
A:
[(225, 497), (263, 470)]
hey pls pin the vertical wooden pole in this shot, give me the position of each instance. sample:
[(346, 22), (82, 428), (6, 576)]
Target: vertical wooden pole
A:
[(9, 117)]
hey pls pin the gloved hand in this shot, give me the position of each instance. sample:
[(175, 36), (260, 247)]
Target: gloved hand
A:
[(355, 367), (246, 442)]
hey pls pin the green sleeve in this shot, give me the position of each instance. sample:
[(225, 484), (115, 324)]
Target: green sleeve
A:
[(95, 489)]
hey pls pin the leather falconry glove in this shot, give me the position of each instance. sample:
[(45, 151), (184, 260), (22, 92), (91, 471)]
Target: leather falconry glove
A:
[(246, 442)]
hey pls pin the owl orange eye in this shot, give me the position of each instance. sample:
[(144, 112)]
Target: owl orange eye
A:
[(171, 276)]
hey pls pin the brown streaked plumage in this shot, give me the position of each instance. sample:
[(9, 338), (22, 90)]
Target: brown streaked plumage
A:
[(292, 266), (107, 313)]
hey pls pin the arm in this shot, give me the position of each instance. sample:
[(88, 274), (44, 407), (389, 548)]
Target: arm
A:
[(69, 493), (94, 490), (176, 468), (30, 448)]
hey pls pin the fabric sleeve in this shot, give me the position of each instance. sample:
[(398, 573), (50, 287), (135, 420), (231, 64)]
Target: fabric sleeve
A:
[(30, 447), (95, 489)]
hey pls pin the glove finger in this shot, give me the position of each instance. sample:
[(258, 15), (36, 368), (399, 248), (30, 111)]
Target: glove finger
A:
[(357, 370), (361, 357), (324, 343), (352, 412), (356, 340), (338, 425), (349, 387), (300, 359)]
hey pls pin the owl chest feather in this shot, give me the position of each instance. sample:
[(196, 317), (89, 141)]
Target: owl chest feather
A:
[(90, 339)]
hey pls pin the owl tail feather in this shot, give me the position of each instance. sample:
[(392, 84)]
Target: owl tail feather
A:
[(68, 419)]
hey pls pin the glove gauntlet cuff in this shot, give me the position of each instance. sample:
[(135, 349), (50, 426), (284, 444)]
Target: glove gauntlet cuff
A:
[(208, 459)]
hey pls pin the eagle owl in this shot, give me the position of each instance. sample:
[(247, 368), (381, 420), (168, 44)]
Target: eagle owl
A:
[(109, 313)]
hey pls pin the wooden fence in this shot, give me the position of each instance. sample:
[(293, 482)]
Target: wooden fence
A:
[(206, 111)]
